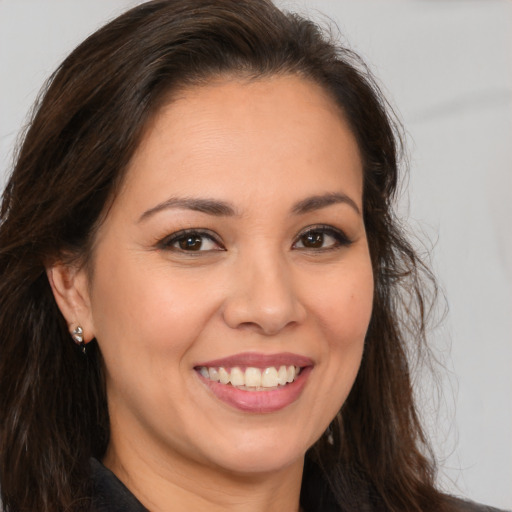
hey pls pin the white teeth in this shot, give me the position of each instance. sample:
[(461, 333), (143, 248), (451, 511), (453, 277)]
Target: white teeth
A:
[(223, 376), (213, 374), (282, 376), (269, 377), (237, 377), (252, 379)]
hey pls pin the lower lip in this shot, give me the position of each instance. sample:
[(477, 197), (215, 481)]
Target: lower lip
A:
[(259, 401)]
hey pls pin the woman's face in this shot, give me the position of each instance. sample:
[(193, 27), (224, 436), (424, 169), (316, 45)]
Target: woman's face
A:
[(235, 250)]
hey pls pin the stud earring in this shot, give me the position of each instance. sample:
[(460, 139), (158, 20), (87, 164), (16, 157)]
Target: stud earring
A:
[(329, 435), (78, 337)]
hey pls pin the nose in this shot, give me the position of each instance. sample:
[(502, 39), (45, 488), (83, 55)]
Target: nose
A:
[(262, 297)]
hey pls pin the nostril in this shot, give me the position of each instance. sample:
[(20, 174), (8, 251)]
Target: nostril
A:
[(264, 301)]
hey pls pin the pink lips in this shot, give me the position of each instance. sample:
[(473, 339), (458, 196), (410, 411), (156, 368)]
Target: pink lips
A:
[(259, 401), (259, 360)]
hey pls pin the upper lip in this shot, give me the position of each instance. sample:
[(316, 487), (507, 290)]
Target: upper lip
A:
[(257, 360)]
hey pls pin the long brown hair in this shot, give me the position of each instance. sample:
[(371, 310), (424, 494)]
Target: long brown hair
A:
[(84, 132)]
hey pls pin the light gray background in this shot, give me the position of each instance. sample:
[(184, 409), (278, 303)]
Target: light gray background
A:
[(447, 67)]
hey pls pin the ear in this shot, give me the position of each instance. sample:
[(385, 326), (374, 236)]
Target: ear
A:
[(70, 286)]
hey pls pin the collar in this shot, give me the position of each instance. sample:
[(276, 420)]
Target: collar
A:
[(109, 493)]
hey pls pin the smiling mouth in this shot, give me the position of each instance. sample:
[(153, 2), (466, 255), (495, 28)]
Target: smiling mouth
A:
[(251, 378)]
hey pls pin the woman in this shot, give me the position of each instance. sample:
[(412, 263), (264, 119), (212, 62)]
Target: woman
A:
[(206, 301)]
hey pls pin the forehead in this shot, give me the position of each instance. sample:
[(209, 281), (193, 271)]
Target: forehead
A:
[(261, 135)]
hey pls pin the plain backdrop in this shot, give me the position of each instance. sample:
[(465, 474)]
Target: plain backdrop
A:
[(446, 67)]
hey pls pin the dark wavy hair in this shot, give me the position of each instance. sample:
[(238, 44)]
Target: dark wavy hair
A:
[(85, 129)]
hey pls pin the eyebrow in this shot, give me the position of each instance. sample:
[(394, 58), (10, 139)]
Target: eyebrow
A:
[(223, 209), (209, 206), (322, 201)]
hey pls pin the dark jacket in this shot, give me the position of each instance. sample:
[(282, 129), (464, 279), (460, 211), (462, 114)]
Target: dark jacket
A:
[(111, 495)]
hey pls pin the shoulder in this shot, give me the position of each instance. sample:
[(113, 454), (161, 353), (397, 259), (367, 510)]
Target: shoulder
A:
[(109, 493)]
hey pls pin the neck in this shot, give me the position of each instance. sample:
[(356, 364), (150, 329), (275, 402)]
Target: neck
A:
[(187, 485)]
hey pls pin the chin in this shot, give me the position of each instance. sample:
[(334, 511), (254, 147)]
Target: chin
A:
[(261, 454), (261, 463)]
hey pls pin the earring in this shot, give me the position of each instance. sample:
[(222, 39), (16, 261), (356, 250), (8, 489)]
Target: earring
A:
[(329, 434), (78, 337)]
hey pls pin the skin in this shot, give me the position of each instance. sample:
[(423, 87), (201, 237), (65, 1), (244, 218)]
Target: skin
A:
[(156, 310)]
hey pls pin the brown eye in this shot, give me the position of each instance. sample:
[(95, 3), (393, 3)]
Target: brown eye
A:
[(322, 238), (190, 243), (312, 240)]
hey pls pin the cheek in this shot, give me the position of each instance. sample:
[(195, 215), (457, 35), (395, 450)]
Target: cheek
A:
[(344, 305), (343, 312), (146, 310), (147, 322)]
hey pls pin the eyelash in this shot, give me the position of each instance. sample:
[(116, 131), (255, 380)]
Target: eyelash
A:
[(341, 239), (169, 242)]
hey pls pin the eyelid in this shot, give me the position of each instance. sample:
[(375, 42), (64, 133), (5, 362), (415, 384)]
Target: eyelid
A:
[(167, 242), (342, 240)]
